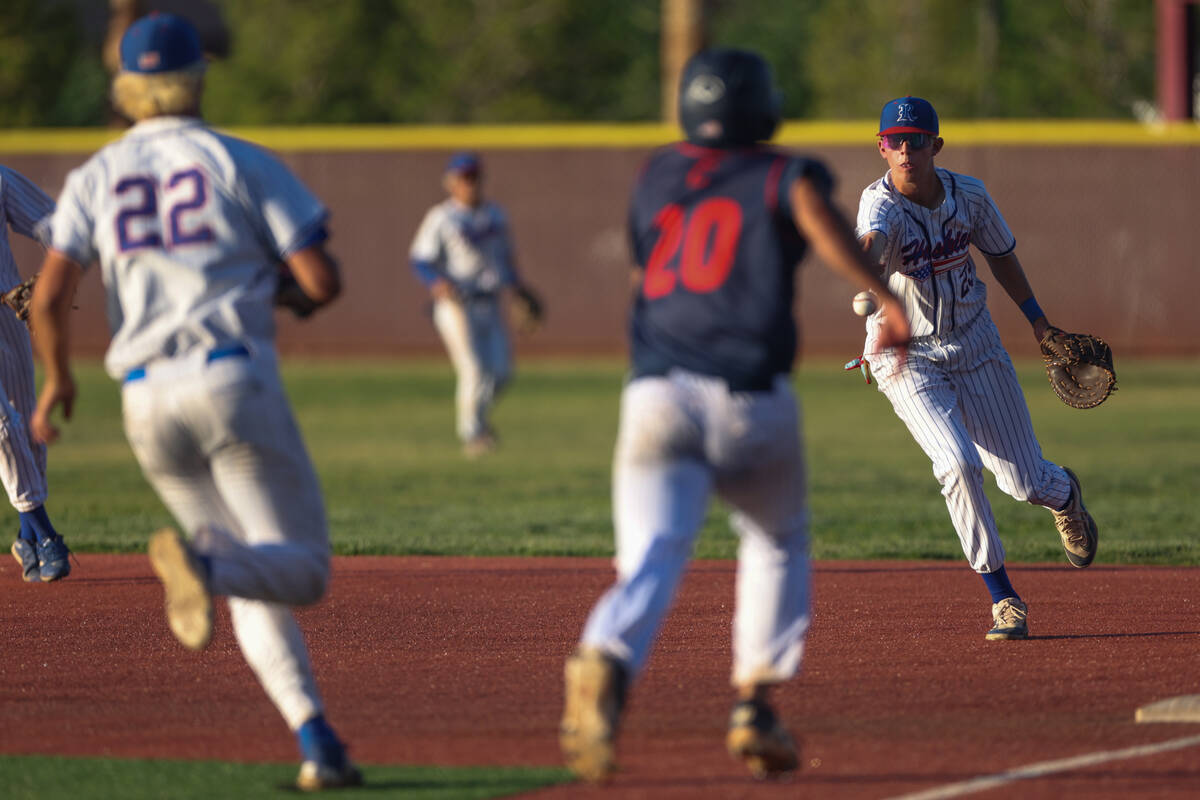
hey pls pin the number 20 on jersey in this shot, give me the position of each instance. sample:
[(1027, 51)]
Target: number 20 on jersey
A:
[(695, 249)]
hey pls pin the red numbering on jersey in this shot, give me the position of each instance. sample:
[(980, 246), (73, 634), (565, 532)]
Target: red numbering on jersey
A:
[(705, 241)]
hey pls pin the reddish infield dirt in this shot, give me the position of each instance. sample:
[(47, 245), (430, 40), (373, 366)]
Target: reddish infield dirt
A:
[(458, 661)]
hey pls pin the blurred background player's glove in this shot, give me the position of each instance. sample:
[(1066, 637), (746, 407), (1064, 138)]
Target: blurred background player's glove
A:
[(18, 297), (526, 310), (1080, 367), (288, 294)]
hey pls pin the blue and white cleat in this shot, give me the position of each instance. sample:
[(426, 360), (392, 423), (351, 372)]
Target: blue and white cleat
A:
[(26, 555), (54, 559), (326, 765)]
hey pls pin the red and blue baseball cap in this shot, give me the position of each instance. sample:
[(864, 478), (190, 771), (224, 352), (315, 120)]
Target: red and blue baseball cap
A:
[(160, 43), (908, 115), (463, 163)]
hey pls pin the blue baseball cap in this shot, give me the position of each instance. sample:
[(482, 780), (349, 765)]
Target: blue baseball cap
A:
[(464, 162), (908, 115), (160, 43)]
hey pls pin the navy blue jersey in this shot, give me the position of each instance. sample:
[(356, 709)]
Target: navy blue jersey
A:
[(714, 234)]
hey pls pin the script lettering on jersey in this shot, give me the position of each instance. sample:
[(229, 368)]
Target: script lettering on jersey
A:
[(704, 239), (139, 224), (918, 251)]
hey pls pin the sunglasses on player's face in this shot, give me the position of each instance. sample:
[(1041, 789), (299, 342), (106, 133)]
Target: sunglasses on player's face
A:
[(915, 141)]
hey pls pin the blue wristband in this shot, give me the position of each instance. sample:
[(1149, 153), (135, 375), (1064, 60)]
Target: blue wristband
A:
[(1031, 310)]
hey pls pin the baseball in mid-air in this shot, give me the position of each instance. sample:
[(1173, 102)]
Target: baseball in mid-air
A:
[(864, 303)]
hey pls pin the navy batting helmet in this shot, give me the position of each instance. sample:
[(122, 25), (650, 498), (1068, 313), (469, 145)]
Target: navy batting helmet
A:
[(727, 98)]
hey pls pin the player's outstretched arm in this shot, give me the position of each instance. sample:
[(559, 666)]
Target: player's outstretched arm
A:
[(834, 243), (49, 311), (1011, 276)]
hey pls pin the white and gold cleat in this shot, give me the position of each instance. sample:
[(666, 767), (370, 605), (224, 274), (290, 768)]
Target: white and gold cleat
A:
[(595, 695), (188, 603)]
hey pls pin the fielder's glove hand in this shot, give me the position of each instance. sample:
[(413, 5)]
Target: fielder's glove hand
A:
[(18, 297), (288, 294), (526, 310), (1080, 367)]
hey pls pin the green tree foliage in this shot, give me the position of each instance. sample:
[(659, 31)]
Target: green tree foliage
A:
[(843, 59), (448, 61), (48, 75), (988, 58), (499, 61)]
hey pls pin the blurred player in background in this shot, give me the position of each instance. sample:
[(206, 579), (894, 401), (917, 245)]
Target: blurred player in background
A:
[(41, 552), (718, 225), (463, 254), (187, 226), (957, 391)]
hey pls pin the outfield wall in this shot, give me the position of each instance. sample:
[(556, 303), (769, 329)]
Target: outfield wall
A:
[(1105, 215)]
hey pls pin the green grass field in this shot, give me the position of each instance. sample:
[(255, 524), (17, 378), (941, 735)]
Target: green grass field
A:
[(395, 482), (44, 777)]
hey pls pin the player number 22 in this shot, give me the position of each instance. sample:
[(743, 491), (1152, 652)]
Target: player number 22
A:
[(705, 242), (145, 210)]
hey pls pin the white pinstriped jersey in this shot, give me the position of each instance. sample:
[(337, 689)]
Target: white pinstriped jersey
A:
[(188, 225), (24, 206), (926, 259), (470, 246)]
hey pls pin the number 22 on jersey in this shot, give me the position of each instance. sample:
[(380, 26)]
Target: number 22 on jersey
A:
[(139, 224), (695, 249)]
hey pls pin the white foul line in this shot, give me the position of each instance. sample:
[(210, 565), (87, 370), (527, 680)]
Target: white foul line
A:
[(985, 782)]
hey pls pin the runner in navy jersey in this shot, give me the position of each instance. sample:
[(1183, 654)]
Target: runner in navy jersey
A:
[(728, 312), (718, 226)]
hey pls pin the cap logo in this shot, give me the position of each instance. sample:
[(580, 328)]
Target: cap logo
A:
[(904, 113), (149, 60), (705, 89)]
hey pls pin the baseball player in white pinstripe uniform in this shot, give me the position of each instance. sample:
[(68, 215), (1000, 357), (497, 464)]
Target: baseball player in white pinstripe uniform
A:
[(958, 393), (188, 226), (39, 549), (463, 254)]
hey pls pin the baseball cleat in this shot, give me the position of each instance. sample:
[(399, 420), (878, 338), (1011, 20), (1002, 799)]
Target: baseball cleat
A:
[(758, 738), (1010, 620), (479, 446), (596, 684), (188, 603), (54, 559), (1076, 527), (26, 555), (315, 776), (326, 765)]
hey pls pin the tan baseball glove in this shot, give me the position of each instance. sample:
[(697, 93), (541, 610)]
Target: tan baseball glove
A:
[(18, 297), (1080, 367)]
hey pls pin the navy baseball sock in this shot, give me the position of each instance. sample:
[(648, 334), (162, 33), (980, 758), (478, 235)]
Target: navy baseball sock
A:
[(998, 585), (35, 525)]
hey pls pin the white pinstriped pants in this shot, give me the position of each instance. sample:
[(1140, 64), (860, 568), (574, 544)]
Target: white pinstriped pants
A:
[(22, 460), (681, 437), (960, 398), (217, 441)]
